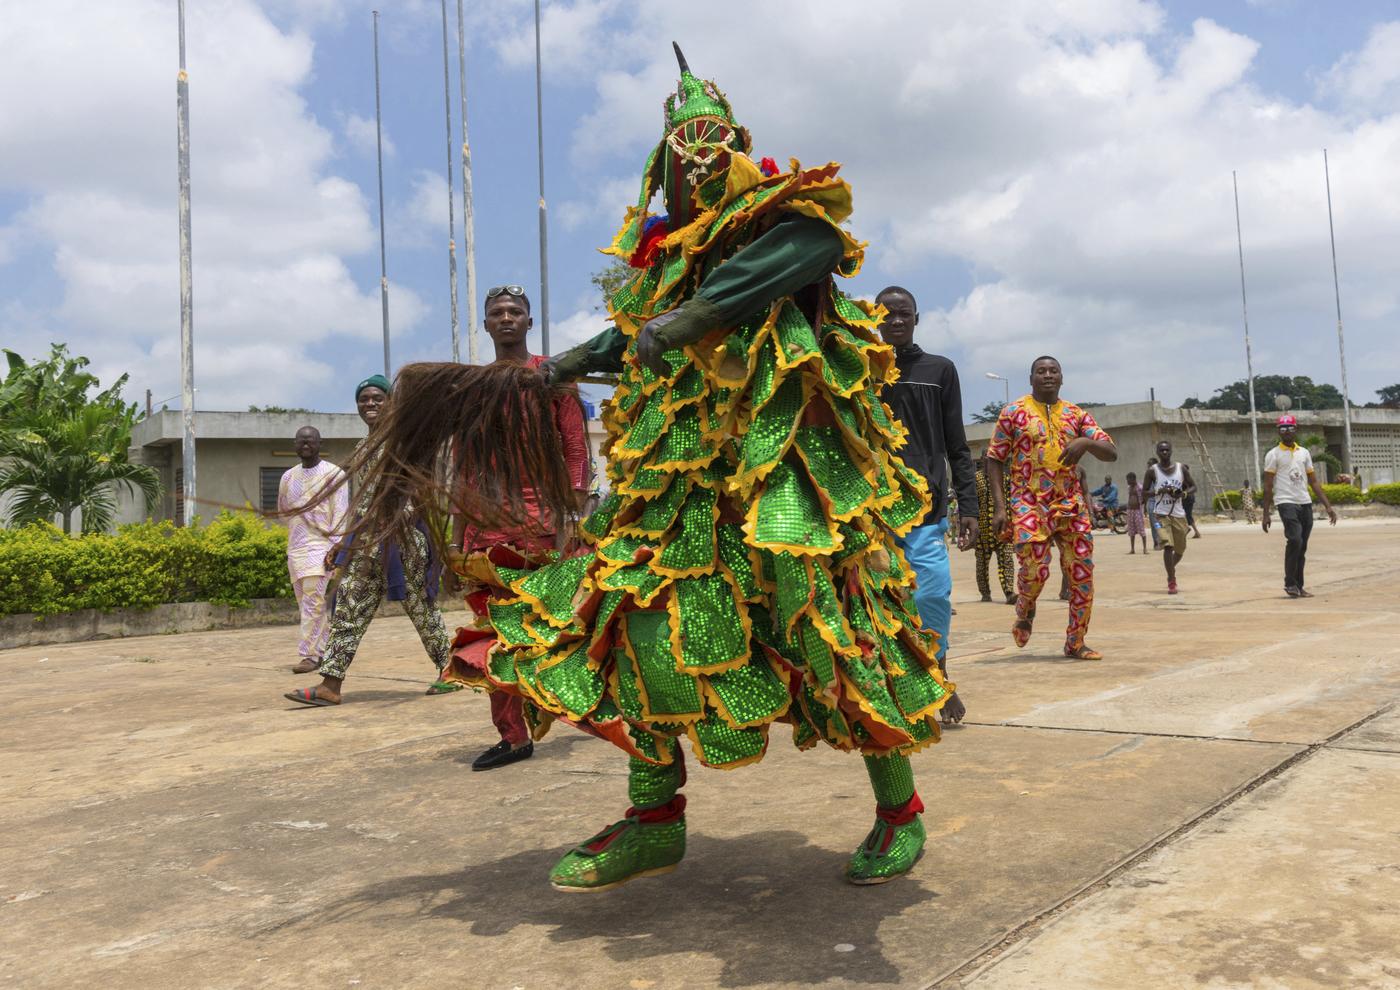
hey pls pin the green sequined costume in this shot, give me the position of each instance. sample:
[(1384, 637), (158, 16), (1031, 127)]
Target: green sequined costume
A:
[(743, 570)]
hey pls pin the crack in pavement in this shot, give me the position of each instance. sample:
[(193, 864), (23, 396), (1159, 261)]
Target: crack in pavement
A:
[(995, 949)]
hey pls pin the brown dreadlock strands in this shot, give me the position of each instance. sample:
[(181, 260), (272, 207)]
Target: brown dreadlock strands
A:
[(493, 425)]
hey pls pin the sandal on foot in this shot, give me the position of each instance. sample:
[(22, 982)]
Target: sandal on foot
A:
[(306, 666), (308, 696), (1083, 653), (445, 687), (624, 851)]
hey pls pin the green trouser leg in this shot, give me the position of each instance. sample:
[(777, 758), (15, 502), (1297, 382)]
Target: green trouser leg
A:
[(650, 786), (897, 840), (648, 842)]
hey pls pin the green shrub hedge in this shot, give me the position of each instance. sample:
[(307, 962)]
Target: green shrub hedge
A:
[(234, 558), (1230, 498), (1389, 493), (1344, 494)]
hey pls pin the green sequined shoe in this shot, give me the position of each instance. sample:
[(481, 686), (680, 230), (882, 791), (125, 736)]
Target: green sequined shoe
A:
[(623, 851), (888, 851)]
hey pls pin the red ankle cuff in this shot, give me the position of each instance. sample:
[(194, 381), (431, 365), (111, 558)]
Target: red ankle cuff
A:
[(902, 815), (672, 810)]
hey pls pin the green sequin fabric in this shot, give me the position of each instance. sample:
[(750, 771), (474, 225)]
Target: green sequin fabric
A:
[(744, 570)]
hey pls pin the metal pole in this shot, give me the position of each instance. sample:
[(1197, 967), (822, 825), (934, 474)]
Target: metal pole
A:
[(468, 209), (1248, 354), (379, 156), (182, 99), (544, 218), (451, 203), (1341, 343)]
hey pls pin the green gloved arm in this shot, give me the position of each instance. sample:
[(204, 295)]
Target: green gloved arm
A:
[(602, 353), (794, 253)]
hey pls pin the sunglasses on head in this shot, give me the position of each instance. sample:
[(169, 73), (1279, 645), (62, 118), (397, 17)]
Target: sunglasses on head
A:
[(514, 290)]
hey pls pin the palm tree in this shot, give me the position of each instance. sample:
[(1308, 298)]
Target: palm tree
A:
[(58, 467), (62, 451)]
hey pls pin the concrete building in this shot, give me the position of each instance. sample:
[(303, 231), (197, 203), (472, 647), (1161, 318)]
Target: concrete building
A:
[(240, 456), (1136, 427)]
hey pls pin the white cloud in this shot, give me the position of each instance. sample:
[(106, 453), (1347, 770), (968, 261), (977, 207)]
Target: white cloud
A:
[(360, 135), (1074, 158), (1371, 76), (272, 225)]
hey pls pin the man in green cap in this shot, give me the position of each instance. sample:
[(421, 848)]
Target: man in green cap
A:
[(403, 572)]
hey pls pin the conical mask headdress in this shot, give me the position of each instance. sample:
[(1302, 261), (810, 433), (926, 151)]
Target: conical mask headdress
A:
[(691, 162)]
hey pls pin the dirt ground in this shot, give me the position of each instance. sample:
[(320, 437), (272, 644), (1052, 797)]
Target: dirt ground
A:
[(1213, 805)]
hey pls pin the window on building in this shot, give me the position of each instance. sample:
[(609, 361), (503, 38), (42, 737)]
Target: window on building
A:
[(268, 480)]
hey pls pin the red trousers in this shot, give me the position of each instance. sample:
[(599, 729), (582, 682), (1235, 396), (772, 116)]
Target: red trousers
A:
[(508, 714)]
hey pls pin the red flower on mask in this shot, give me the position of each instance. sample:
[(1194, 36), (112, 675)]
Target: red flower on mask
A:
[(654, 231), (768, 167)]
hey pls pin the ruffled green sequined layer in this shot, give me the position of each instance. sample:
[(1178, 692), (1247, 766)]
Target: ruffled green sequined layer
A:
[(743, 571)]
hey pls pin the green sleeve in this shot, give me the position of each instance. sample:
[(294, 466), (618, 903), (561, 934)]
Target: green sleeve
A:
[(603, 353), (795, 252)]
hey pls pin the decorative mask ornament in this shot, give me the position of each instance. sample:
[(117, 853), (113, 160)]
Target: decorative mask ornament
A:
[(701, 135)]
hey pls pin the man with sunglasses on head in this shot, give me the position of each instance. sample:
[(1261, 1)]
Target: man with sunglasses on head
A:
[(508, 323)]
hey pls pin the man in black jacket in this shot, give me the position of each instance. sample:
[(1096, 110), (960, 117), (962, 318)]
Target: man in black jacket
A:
[(927, 399)]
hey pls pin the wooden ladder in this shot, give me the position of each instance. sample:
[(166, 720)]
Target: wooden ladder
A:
[(1198, 442)]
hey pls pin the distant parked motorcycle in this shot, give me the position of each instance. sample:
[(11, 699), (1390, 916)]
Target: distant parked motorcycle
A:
[(1115, 519)]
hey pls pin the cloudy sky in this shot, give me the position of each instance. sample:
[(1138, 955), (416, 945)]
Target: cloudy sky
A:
[(1046, 175)]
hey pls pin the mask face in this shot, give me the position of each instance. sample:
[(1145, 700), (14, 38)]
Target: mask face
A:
[(697, 154)]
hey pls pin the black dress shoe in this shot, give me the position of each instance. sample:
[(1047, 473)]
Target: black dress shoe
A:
[(501, 754)]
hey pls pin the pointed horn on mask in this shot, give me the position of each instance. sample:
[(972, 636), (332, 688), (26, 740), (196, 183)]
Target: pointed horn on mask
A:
[(680, 58)]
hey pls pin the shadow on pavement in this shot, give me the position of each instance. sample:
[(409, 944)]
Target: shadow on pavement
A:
[(769, 906)]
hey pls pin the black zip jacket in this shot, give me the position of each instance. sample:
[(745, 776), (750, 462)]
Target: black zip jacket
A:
[(927, 399)]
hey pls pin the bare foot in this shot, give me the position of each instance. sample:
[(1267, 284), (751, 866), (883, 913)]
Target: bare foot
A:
[(953, 710), (306, 666)]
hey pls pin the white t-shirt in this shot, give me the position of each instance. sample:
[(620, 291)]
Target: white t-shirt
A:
[(1169, 487), (1290, 467)]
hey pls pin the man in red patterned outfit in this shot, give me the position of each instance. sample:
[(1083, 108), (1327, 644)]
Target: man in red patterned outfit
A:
[(1037, 445)]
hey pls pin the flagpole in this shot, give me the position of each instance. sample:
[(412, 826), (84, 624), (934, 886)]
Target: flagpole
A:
[(1341, 343), (468, 208), (451, 201), (544, 218), (1248, 354), (182, 141), (379, 156)]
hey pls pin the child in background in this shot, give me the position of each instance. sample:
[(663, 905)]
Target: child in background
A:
[(1136, 524)]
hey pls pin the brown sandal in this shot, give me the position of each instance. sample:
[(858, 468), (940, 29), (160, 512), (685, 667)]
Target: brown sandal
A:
[(1084, 653), (308, 696)]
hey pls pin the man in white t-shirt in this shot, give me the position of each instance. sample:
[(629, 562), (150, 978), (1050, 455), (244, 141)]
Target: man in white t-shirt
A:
[(1288, 476)]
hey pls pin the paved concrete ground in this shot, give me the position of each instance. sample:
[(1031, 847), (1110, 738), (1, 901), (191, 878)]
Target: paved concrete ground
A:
[(1214, 805)]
